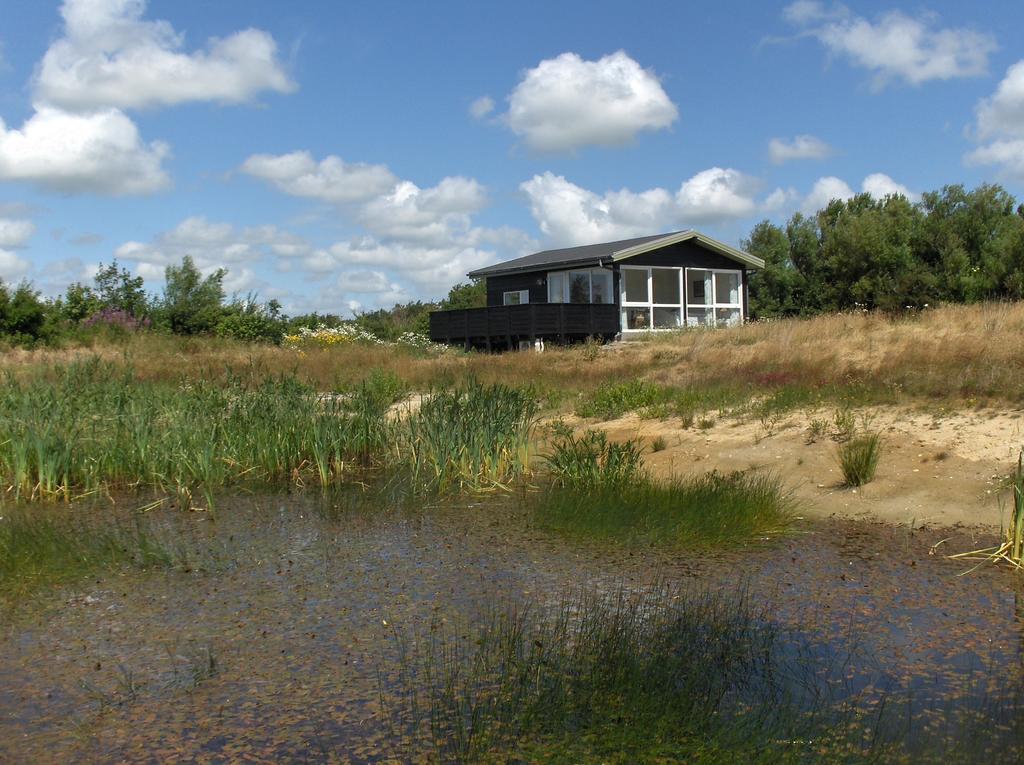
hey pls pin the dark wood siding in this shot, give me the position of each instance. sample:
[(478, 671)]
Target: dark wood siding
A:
[(687, 254), (497, 286)]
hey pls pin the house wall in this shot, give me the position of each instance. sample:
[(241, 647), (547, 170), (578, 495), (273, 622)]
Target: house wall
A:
[(497, 286)]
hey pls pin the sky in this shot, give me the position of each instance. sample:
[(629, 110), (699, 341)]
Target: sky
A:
[(344, 156)]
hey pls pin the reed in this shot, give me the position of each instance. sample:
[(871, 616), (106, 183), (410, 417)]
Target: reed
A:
[(858, 458)]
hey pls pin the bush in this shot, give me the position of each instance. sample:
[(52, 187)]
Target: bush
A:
[(858, 458)]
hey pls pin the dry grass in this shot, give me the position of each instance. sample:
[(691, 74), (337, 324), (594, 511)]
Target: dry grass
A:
[(954, 352)]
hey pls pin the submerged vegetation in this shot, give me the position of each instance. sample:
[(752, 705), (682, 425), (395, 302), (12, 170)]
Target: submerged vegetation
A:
[(664, 675)]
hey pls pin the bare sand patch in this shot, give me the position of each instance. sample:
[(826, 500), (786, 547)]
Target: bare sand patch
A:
[(938, 468)]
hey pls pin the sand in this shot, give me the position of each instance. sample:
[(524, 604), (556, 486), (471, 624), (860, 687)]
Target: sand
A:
[(938, 467)]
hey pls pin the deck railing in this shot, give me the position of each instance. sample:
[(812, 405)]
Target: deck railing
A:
[(506, 325)]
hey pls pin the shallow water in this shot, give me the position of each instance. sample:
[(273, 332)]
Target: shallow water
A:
[(304, 604)]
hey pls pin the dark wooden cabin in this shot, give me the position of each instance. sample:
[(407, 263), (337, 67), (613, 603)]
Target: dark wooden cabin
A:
[(608, 290)]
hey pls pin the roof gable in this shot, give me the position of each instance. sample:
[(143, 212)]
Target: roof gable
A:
[(591, 254)]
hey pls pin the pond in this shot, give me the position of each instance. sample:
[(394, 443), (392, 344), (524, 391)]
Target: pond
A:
[(281, 632)]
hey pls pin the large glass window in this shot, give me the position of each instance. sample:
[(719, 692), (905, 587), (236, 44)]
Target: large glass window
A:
[(665, 283), (601, 287), (579, 286), (634, 282), (713, 297), (590, 286), (516, 297), (556, 286)]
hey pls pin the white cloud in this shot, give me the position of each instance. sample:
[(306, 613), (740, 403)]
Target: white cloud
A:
[(100, 152), (880, 185), (330, 180), (781, 151), (569, 214), (430, 216), (896, 46), (15, 233), (1007, 155), (566, 102), (12, 267), (213, 245), (1000, 122), (717, 194), (110, 56), (481, 107), (824, 191)]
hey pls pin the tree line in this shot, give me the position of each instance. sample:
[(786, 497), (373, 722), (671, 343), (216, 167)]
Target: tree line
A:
[(952, 246)]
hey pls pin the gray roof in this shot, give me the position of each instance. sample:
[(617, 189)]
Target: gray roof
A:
[(590, 254)]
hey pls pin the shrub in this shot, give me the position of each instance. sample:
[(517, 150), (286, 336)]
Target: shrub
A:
[(858, 458)]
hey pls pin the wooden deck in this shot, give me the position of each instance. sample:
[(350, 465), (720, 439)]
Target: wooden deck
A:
[(504, 326)]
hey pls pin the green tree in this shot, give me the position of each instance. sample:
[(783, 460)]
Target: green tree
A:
[(192, 304), (22, 314), (117, 289), (468, 295), (778, 288)]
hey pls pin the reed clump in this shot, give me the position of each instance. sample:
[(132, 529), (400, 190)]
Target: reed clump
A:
[(600, 489), (858, 458), (95, 429)]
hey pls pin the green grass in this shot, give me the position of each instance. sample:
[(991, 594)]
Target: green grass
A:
[(581, 463), (93, 429), (858, 458), (39, 549), (710, 510)]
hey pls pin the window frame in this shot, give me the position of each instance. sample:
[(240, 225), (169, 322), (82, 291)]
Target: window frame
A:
[(520, 293), (566, 279), (711, 309)]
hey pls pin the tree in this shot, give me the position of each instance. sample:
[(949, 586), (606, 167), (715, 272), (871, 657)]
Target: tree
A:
[(117, 289), (22, 314), (192, 304), (777, 289), (469, 295)]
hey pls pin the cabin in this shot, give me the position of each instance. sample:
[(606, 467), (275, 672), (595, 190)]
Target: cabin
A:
[(609, 290)]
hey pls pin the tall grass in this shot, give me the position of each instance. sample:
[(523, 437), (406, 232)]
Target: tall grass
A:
[(475, 437), (96, 428)]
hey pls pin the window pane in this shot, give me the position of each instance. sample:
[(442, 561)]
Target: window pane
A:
[(517, 298), (637, 318), (636, 284), (555, 287), (727, 316), (665, 285), (696, 289), (727, 288), (601, 287), (579, 287), (666, 318), (696, 317)]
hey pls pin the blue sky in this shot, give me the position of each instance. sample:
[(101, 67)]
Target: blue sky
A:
[(344, 156)]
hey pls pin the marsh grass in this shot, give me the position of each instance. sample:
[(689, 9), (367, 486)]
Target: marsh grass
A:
[(95, 429), (40, 549), (710, 510), (858, 458), (589, 460)]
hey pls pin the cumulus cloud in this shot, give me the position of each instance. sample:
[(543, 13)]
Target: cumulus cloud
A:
[(100, 152), (880, 186), (431, 216), (109, 56), (567, 102), (1000, 125), (781, 151), (212, 245), (15, 233), (895, 46), (12, 267), (481, 107), (330, 180), (824, 191), (568, 214)]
